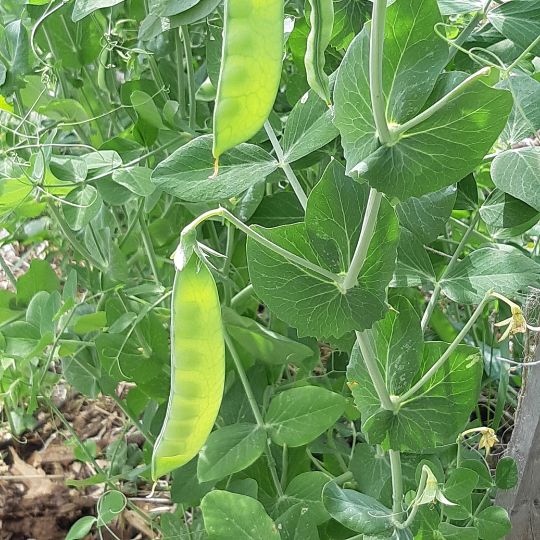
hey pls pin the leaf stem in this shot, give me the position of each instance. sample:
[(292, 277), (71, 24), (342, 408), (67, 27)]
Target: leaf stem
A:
[(376, 71), (254, 408), (437, 290), (180, 83), (291, 177), (436, 107), (363, 340), (397, 482), (366, 234), (523, 55), (190, 77), (7, 271), (452, 347), (149, 249), (248, 231), (415, 506)]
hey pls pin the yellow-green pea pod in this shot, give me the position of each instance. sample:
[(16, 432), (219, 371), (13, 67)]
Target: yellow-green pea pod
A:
[(322, 22), (197, 368), (251, 61)]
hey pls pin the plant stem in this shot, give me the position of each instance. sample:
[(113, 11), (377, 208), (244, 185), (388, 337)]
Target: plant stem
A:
[(366, 234), (244, 294), (452, 347), (376, 71), (523, 55), (437, 290), (363, 340), (180, 83), (436, 107), (397, 482), (191, 78), (7, 271), (415, 506), (304, 263), (295, 184), (149, 249), (255, 409)]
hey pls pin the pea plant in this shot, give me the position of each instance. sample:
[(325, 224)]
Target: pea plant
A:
[(290, 240)]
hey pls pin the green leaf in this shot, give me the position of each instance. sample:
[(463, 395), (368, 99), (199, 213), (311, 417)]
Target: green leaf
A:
[(186, 172), (78, 375), (296, 524), (371, 471), (453, 532), (518, 20), (505, 271), (82, 206), (435, 414), (458, 137), (460, 483), (81, 528), (64, 110), (507, 216), (427, 216), (458, 7), (136, 179), (397, 343), (42, 310), (186, 488), (39, 277), (413, 266), (517, 172), (506, 475), (358, 512), (298, 416), (308, 128), (305, 490), (91, 322), (328, 238), (83, 8), (194, 14), (261, 343), (480, 468), (229, 450), (492, 523), (229, 516), (146, 109), (413, 58), (14, 49), (281, 208), (524, 120)]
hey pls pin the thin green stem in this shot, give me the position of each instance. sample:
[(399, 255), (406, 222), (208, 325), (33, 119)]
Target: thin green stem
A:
[(7, 270), (364, 342), (304, 263), (366, 234), (453, 261), (191, 78), (452, 347), (229, 250), (239, 298), (523, 55), (415, 506), (397, 483), (254, 408), (376, 71), (68, 233), (149, 249), (180, 82), (291, 177), (284, 465), (436, 107)]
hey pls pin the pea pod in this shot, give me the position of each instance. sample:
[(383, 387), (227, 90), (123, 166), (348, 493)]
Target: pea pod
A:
[(197, 368), (322, 22), (251, 61)]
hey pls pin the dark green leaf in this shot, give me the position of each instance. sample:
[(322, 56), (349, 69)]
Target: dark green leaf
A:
[(229, 450), (229, 516), (187, 172), (357, 511), (492, 523), (506, 475), (298, 416)]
